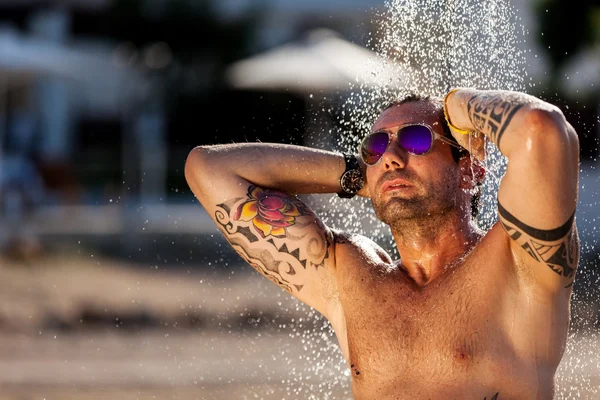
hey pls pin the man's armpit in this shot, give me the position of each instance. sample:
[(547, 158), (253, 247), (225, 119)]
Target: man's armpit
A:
[(557, 248), (277, 234)]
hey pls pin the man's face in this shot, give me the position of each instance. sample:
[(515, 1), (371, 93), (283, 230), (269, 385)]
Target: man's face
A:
[(423, 186)]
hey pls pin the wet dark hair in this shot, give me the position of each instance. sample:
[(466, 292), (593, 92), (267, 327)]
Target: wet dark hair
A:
[(457, 154)]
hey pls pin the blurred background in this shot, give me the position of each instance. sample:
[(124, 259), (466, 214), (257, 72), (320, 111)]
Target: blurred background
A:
[(114, 283)]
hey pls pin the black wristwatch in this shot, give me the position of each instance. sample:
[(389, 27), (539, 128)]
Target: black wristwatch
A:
[(352, 179)]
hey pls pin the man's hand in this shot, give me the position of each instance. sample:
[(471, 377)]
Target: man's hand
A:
[(475, 143)]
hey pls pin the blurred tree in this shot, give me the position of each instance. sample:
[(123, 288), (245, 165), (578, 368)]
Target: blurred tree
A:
[(186, 42), (567, 28), (183, 46)]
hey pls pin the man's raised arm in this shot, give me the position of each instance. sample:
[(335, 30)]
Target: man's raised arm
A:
[(538, 195), (249, 191)]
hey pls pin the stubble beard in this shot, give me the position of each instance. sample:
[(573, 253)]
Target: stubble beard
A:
[(421, 212)]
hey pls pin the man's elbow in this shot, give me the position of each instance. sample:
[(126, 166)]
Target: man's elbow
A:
[(194, 165), (549, 126), (548, 121)]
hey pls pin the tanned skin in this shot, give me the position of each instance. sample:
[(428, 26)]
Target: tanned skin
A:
[(464, 314)]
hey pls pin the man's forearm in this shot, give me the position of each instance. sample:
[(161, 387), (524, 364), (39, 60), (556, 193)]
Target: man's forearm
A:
[(509, 119), (292, 169)]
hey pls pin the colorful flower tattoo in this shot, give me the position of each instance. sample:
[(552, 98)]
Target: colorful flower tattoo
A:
[(257, 228), (270, 211)]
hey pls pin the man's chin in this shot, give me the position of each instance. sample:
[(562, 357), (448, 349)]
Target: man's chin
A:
[(404, 201), (404, 193), (398, 209)]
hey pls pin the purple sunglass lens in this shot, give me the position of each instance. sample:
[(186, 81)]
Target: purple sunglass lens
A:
[(415, 139), (374, 146)]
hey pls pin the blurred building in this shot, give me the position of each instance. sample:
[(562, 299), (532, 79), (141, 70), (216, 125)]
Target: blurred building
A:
[(59, 90), (102, 99), (283, 20)]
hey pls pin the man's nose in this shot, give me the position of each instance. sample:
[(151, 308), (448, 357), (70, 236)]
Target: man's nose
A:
[(395, 156)]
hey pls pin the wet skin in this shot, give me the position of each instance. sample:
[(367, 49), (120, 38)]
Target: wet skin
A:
[(472, 332), (450, 320), (464, 314)]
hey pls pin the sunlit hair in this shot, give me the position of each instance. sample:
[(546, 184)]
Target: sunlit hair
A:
[(457, 154)]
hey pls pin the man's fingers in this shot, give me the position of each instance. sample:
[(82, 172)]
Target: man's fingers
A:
[(474, 143), (462, 140)]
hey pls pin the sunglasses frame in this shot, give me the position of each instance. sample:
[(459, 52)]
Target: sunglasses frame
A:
[(434, 136)]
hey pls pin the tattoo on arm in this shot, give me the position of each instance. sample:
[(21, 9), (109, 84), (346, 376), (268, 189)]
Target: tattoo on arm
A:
[(557, 248), (275, 233), (491, 114), (340, 237), (493, 398)]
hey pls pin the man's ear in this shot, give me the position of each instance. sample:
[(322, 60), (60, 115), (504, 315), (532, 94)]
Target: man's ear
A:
[(472, 172)]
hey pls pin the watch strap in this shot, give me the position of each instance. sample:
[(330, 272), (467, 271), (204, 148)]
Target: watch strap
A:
[(351, 164)]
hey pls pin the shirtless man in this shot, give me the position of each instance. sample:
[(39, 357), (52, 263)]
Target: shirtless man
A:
[(464, 314)]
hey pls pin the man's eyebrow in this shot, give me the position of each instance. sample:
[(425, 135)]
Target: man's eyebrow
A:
[(389, 130)]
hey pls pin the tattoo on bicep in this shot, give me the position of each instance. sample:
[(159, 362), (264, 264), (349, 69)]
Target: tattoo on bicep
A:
[(557, 248), (275, 233), (493, 398), (492, 114)]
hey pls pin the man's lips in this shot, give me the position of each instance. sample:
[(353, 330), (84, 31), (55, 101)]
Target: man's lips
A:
[(395, 184)]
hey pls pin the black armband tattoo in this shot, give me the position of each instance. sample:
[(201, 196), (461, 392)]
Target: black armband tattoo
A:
[(540, 234), (558, 248)]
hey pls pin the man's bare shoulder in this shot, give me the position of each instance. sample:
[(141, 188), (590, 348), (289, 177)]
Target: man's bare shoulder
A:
[(351, 244)]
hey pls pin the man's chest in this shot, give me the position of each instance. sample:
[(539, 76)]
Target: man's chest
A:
[(456, 319), (456, 322), (477, 327)]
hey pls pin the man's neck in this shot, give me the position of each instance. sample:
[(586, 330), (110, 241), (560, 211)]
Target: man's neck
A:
[(429, 247)]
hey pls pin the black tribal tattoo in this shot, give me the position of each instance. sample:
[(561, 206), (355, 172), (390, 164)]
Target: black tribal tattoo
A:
[(493, 398), (491, 114), (276, 234), (557, 248), (340, 237)]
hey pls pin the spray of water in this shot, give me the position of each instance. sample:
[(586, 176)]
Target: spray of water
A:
[(437, 45), (434, 45)]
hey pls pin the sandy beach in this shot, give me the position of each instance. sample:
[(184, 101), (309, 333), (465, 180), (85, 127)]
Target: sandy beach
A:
[(85, 329)]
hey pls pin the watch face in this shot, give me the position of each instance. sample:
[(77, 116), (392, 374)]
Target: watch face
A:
[(352, 181)]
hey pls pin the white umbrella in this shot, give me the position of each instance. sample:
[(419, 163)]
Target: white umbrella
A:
[(323, 61), (22, 58)]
